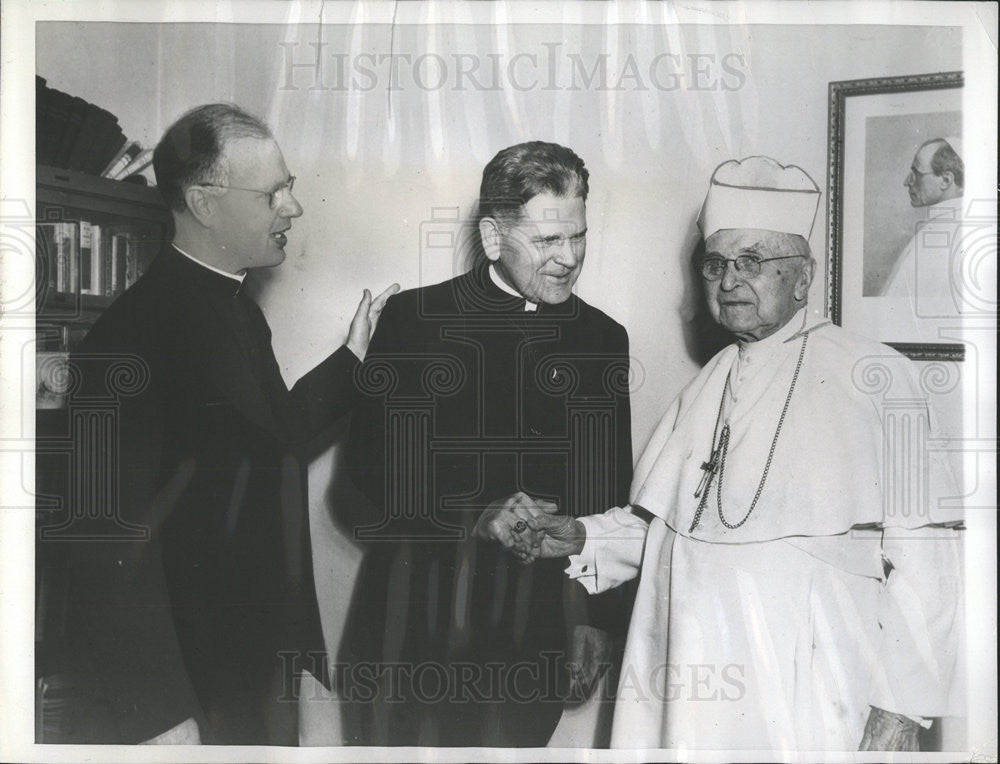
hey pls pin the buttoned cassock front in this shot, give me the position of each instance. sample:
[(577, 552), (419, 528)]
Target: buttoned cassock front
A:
[(469, 398)]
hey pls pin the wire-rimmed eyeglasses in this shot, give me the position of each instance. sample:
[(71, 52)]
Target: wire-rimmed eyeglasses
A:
[(274, 195), (916, 174), (713, 268)]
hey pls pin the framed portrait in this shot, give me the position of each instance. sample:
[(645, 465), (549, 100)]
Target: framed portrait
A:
[(896, 224)]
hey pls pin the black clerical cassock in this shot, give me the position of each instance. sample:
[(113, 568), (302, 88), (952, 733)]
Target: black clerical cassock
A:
[(209, 608)]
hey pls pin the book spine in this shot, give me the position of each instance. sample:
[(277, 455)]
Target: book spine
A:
[(60, 257), (46, 254), (86, 258), (73, 235), (131, 261), (114, 258), (128, 152), (123, 160), (64, 253), (140, 162), (102, 258)]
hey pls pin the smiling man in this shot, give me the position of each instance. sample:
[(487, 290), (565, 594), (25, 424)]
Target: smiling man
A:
[(800, 587), (191, 612), (495, 382)]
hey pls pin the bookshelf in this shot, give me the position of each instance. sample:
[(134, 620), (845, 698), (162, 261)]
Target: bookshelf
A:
[(95, 237), (74, 287)]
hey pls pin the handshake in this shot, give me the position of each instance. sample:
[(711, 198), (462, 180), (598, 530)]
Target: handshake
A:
[(530, 528)]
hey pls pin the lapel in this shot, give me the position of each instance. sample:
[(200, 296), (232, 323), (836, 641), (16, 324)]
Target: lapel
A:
[(205, 299)]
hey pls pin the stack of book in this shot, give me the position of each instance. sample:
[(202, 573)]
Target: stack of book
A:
[(72, 134), (84, 258)]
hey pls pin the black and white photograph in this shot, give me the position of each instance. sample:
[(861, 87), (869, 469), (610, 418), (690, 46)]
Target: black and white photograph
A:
[(498, 381), (897, 195)]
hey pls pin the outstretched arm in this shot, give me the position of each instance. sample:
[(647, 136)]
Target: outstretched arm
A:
[(328, 391), (603, 550)]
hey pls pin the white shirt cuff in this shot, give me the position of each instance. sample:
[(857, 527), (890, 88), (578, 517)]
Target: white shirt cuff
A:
[(925, 723), (612, 551), (583, 566)]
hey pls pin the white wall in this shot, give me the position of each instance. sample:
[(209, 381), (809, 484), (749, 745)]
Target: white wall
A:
[(368, 178), (373, 165)]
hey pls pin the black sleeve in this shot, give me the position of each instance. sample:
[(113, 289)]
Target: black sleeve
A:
[(366, 448), (623, 423), (120, 612), (326, 393)]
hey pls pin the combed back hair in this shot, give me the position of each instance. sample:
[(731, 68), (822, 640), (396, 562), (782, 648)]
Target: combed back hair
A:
[(946, 159), (519, 173), (192, 149)]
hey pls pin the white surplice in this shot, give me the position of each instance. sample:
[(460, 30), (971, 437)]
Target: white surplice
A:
[(841, 590)]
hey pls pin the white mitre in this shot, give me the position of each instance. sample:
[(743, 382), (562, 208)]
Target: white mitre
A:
[(758, 192)]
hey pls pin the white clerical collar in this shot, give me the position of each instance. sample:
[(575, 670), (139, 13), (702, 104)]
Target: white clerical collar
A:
[(949, 208), (235, 276), (495, 277)]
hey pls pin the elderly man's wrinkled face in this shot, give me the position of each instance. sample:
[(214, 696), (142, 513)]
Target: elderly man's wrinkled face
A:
[(754, 306), (542, 254)]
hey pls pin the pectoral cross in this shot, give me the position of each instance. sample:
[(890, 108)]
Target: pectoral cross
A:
[(709, 469)]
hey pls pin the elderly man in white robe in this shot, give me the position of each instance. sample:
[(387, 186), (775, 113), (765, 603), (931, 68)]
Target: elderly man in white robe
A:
[(799, 584)]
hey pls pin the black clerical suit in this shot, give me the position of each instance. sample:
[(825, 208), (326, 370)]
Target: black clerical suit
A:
[(209, 616), (465, 399)]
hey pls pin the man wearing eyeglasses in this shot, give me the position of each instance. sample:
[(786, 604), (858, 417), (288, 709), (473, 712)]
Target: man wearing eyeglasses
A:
[(799, 586), (196, 631), (923, 272)]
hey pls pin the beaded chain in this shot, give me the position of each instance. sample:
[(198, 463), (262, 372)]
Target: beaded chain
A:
[(717, 461)]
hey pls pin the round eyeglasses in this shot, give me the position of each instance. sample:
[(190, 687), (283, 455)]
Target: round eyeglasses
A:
[(274, 196), (916, 174), (713, 268)]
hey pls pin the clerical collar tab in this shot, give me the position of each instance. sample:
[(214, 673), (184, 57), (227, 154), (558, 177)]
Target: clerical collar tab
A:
[(237, 277), (502, 285)]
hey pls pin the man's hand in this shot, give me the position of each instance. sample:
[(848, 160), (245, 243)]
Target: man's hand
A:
[(591, 654), (512, 522), (562, 535), (365, 319), (886, 731)]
